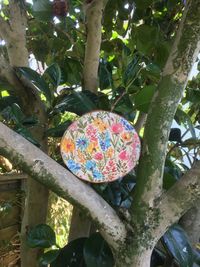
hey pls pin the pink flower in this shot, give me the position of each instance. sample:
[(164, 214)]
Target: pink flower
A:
[(123, 155), (73, 126), (117, 128), (92, 133), (98, 156)]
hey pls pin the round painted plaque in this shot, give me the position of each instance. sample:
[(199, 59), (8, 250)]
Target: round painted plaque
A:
[(100, 147)]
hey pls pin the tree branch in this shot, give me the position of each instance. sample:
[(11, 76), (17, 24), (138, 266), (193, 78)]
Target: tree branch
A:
[(14, 33), (179, 199), (166, 99), (140, 121), (46, 171), (4, 28), (94, 11)]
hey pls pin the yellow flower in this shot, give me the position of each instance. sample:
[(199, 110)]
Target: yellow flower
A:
[(100, 125), (93, 146), (67, 145), (110, 152), (81, 157), (126, 136)]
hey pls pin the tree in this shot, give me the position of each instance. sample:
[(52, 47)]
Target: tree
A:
[(142, 58)]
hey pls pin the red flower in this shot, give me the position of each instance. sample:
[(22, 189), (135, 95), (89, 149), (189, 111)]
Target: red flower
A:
[(123, 155), (117, 128), (98, 156)]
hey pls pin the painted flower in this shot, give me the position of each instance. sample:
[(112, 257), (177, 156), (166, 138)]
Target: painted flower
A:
[(73, 166), (98, 156), (90, 165), (92, 147), (73, 126), (127, 125), (68, 145), (91, 132), (102, 126), (82, 143), (81, 156), (110, 152), (117, 128), (126, 136), (97, 175), (123, 155), (105, 142)]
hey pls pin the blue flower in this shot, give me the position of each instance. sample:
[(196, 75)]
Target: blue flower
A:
[(73, 166), (127, 125), (90, 165), (82, 143), (97, 175), (105, 143)]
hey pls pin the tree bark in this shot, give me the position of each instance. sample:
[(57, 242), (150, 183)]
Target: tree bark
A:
[(94, 11), (13, 32), (191, 224), (166, 99)]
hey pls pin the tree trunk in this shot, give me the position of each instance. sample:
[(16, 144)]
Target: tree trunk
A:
[(140, 259), (191, 224), (36, 203)]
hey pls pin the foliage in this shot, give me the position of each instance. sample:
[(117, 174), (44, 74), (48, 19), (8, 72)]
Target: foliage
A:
[(135, 45), (82, 252)]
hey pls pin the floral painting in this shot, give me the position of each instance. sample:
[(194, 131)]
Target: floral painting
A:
[(100, 146)]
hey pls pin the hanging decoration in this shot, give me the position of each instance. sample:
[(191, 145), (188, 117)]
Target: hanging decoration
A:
[(100, 146)]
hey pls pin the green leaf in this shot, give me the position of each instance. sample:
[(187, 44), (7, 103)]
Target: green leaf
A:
[(77, 102), (54, 73), (105, 76), (178, 245), (7, 101), (43, 10), (27, 134), (17, 114), (146, 38), (97, 252), (59, 130), (72, 71), (41, 236), (182, 117), (143, 98), (131, 71), (143, 3), (36, 79), (71, 255), (48, 257)]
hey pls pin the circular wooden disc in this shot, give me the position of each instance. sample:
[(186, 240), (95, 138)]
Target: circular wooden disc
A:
[(100, 147)]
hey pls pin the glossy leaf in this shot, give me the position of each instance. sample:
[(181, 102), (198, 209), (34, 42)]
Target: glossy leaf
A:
[(143, 98), (144, 41), (182, 117), (54, 73), (97, 252), (42, 9), (41, 236), (76, 102), (48, 257), (71, 255), (105, 76), (36, 79), (7, 101), (131, 71), (178, 245), (27, 134), (59, 130)]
